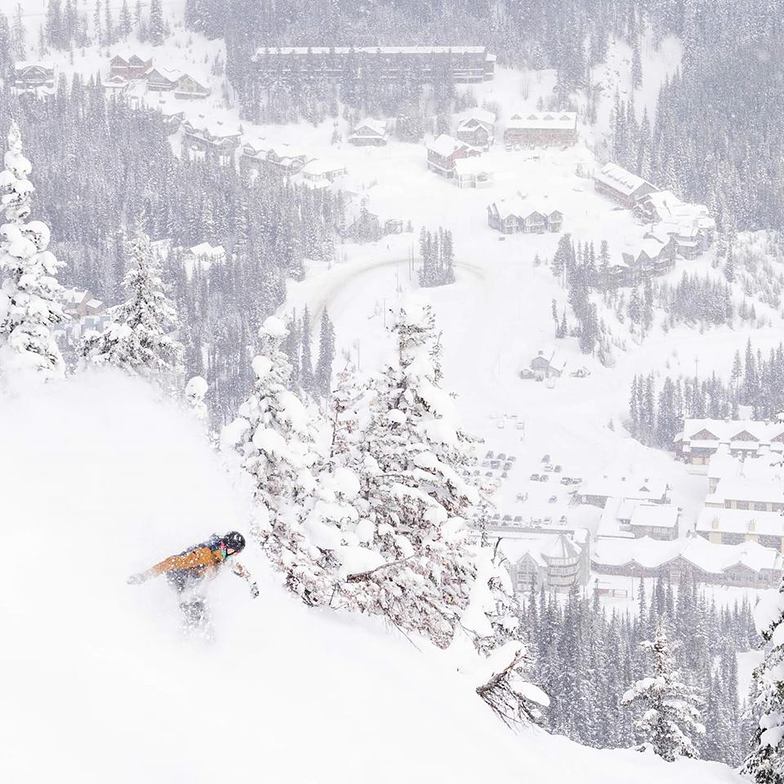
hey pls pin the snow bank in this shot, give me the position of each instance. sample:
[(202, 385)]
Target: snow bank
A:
[(98, 479)]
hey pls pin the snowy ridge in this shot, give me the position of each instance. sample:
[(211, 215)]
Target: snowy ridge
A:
[(93, 671)]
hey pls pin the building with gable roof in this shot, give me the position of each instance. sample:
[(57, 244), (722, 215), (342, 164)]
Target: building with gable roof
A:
[(444, 151), (702, 438), (477, 129), (520, 213), (128, 65), (369, 132), (209, 138), (747, 564), (32, 76), (621, 185), (541, 129)]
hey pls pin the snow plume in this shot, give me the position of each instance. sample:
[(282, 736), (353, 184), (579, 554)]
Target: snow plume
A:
[(30, 298), (140, 338), (765, 762), (670, 717)]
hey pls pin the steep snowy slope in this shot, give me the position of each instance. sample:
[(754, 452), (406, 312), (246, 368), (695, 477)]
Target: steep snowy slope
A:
[(97, 480)]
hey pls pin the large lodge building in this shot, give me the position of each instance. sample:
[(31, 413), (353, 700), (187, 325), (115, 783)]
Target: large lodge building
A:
[(462, 64), (702, 438)]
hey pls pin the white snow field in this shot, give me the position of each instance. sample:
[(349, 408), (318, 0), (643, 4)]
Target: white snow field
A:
[(99, 479)]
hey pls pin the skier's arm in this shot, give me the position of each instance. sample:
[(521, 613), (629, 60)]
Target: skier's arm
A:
[(241, 571)]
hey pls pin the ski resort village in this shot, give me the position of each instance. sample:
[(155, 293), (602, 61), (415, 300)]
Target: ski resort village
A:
[(453, 330)]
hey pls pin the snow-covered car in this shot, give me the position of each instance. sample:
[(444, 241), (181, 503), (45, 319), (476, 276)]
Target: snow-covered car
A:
[(527, 374)]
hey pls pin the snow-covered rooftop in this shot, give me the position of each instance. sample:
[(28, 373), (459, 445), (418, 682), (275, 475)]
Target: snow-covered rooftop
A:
[(212, 127), (540, 547), (619, 179), (376, 126), (477, 115), (208, 251), (704, 555), (655, 515), (321, 168), (472, 166), (636, 488), (520, 206), (741, 489), (740, 521), (445, 145), (371, 50), (565, 121), (734, 430)]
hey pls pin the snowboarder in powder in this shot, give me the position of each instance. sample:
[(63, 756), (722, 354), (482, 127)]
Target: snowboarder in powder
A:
[(188, 572)]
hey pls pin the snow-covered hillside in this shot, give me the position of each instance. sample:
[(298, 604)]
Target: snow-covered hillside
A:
[(99, 479)]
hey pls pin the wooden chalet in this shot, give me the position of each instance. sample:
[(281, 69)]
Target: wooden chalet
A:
[(29, 76), (478, 129), (547, 367), (129, 66), (621, 185), (369, 133), (521, 214), (742, 438), (262, 157), (211, 139), (443, 151)]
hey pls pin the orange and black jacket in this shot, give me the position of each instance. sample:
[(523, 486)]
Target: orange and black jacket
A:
[(204, 560)]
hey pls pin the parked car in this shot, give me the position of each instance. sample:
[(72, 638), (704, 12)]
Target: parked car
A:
[(545, 459), (552, 499), (558, 469), (526, 374), (544, 478), (563, 520), (534, 477)]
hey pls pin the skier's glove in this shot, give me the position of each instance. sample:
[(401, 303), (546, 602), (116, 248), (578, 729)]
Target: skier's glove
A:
[(254, 590), (136, 579)]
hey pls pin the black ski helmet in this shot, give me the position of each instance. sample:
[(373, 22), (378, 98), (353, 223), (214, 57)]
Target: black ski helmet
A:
[(235, 540)]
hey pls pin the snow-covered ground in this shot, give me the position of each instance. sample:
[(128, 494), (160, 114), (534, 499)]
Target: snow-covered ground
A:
[(100, 479)]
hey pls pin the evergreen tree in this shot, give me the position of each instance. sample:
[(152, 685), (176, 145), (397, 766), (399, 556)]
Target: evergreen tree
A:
[(273, 437), (141, 336), (306, 371), (765, 762), (30, 297), (18, 35), (195, 391), (157, 25), (326, 357), (670, 719), (415, 459)]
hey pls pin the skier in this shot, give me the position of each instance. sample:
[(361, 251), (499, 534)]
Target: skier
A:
[(188, 571)]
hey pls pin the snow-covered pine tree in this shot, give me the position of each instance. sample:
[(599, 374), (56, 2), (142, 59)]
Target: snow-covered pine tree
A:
[(195, 390), (326, 356), (765, 762), (30, 298), (141, 336), (492, 620), (670, 718), (413, 460), (272, 435)]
